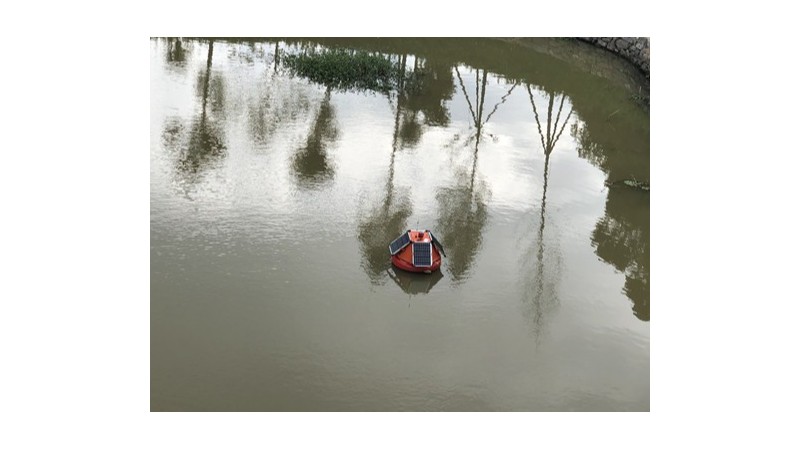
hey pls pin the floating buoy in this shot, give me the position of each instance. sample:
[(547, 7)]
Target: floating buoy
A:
[(417, 251)]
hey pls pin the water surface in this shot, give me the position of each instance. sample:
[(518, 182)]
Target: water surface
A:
[(274, 196)]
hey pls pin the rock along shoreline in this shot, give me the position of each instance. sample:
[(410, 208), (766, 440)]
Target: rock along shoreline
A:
[(634, 49)]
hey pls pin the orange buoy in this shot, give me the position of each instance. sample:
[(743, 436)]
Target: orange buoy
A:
[(417, 251)]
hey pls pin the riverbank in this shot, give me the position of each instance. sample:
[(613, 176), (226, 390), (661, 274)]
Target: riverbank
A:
[(594, 60), (634, 49)]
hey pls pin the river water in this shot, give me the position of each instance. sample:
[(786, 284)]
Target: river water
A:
[(274, 196)]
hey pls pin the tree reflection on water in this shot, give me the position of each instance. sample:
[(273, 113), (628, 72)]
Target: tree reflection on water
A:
[(421, 90), (389, 219), (541, 289), (462, 205), (418, 89), (382, 225), (311, 164), (204, 143), (278, 104), (175, 51), (622, 237)]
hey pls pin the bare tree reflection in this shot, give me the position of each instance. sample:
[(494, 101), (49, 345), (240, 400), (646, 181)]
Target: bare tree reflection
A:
[(204, 142), (462, 206), (541, 291), (276, 58)]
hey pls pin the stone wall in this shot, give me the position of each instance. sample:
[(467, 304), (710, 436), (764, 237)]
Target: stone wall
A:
[(634, 49)]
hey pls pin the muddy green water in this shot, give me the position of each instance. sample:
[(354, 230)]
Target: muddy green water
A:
[(273, 198)]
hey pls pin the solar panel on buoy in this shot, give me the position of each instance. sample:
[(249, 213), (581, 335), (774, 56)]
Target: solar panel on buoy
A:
[(422, 254), (399, 244), (437, 243)]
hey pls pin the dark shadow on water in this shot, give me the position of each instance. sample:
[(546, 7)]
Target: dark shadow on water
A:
[(414, 283)]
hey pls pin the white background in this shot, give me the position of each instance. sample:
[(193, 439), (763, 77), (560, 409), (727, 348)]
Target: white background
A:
[(74, 317)]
